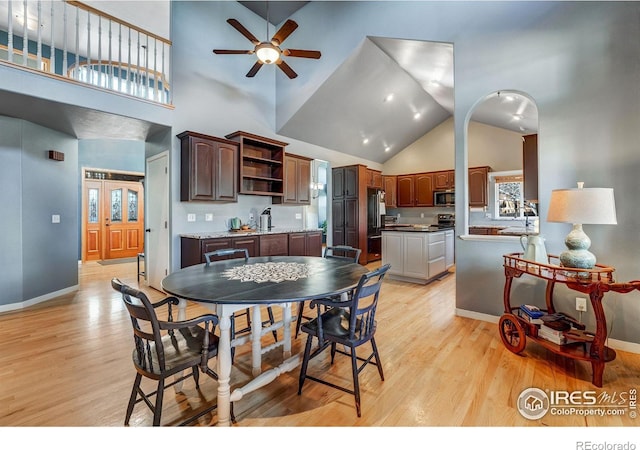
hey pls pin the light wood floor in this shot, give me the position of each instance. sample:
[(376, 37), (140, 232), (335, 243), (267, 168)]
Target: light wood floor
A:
[(67, 363)]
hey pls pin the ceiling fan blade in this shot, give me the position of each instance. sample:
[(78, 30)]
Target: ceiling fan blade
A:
[(315, 54), (252, 72), (233, 52), (286, 68), (284, 32), (246, 33)]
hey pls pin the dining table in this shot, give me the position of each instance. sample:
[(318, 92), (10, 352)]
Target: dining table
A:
[(231, 285)]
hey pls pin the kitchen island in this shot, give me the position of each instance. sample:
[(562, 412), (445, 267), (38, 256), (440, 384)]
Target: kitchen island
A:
[(417, 253)]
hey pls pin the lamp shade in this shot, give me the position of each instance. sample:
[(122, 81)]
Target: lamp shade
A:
[(267, 53), (583, 206)]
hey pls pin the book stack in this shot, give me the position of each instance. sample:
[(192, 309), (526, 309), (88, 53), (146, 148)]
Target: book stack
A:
[(555, 336), (531, 314)]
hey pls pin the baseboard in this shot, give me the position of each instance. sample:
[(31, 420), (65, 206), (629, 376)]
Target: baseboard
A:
[(36, 300), (615, 344)]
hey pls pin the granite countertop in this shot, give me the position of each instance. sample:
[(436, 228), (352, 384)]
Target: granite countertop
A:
[(416, 228), (222, 234), (517, 231)]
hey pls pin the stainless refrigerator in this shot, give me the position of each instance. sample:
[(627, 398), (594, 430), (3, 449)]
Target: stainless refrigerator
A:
[(375, 221)]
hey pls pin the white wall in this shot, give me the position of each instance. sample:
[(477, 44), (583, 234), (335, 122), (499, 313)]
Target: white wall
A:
[(488, 146)]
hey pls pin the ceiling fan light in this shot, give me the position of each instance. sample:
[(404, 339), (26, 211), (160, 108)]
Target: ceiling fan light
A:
[(267, 53)]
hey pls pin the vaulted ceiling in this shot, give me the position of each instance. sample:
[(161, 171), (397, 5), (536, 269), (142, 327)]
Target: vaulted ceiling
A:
[(353, 104)]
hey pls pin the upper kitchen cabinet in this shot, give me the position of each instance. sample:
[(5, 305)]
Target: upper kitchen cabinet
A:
[(297, 179), (390, 186), (530, 167), (444, 180), (374, 179), (415, 190), (345, 181), (261, 164), (208, 168), (478, 186)]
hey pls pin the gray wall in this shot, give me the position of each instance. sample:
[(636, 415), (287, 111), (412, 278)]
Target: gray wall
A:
[(38, 256)]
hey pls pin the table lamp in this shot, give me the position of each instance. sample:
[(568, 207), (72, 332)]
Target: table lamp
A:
[(581, 206)]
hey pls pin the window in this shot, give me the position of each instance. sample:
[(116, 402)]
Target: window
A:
[(508, 196)]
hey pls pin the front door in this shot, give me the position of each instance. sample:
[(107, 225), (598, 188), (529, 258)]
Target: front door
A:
[(124, 221), (113, 216)]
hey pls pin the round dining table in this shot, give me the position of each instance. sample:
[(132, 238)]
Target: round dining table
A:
[(232, 285)]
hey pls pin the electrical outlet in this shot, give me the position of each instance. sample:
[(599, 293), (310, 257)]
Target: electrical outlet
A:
[(208, 217), (250, 216), (191, 217), (581, 304), (298, 216)]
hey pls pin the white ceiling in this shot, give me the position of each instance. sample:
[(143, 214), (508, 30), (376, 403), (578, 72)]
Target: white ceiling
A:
[(349, 105)]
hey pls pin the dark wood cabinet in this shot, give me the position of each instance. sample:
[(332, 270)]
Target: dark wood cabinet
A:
[(478, 186), (415, 190), (297, 179), (261, 164), (530, 167), (305, 243), (444, 180), (193, 249), (345, 181), (274, 245), (208, 168), (349, 207), (314, 243), (389, 184)]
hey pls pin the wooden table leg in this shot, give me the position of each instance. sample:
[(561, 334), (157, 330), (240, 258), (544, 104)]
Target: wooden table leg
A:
[(598, 371)]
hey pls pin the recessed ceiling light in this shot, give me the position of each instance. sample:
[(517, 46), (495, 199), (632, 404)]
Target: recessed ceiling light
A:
[(388, 98), (509, 98), (417, 115), (517, 117), (387, 148), (365, 141), (434, 83)]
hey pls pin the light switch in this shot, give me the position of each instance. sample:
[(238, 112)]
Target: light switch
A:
[(208, 217), (191, 217), (298, 216), (55, 218)]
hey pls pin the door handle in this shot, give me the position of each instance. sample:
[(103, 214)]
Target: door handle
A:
[(148, 230)]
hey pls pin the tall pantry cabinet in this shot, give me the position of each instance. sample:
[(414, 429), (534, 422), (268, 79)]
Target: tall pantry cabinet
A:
[(349, 207)]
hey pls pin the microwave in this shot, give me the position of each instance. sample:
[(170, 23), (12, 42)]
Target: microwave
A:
[(444, 198)]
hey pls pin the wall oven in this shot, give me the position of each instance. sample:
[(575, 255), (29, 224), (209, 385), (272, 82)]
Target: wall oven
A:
[(444, 198)]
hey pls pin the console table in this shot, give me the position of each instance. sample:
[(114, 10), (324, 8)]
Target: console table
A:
[(585, 346)]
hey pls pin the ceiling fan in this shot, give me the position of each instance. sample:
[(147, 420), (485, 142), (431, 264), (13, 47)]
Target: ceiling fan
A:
[(269, 52)]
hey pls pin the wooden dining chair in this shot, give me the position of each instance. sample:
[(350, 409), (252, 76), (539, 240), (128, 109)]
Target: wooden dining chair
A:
[(166, 348), (350, 323), (344, 252), (239, 253)]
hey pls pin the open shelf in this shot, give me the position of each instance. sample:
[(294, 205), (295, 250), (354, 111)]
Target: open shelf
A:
[(261, 164)]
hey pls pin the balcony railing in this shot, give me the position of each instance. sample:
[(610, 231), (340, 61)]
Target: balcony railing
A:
[(75, 41)]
